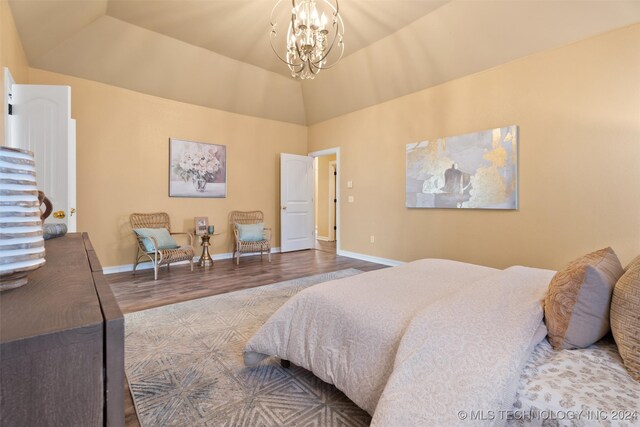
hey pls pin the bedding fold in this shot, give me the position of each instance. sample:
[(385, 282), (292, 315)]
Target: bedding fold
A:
[(465, 352), (347, 331)]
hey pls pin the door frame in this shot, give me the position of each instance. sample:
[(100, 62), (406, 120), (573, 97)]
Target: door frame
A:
[(326, 152), (333, 207), (8, 92)]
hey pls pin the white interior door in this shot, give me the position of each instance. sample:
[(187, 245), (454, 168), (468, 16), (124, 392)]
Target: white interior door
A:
[(296, 202), (42, 123)]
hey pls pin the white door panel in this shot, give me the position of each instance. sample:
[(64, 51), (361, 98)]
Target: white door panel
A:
[(42, 123), (296, 202)]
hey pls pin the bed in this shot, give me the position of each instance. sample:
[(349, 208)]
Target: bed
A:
[(372, 335), (591, 385)]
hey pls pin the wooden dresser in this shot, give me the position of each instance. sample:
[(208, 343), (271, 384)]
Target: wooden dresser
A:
[(62, 343)]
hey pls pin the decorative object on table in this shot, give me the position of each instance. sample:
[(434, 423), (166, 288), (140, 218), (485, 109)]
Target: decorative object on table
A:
[(315, 28), (21, 242), (198, 344), (155, 241), (197, 169), (201, 225), (48, 207), (250, 234), (51, 231), (205, 258), (211, 229), (473, 171)]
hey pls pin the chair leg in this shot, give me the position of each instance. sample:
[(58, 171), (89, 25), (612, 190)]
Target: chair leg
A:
[(191, 262), (168, 266), (135, 263), (155, 271), (238, 258), (269, 255)]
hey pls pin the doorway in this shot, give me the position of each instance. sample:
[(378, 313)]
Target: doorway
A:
[(326, 201)]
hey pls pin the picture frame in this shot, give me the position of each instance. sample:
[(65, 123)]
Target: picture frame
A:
[(201, 224), (197, 169), (477, 170)]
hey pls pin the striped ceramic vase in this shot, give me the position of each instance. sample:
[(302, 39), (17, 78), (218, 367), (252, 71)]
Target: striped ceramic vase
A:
[(21, 243)]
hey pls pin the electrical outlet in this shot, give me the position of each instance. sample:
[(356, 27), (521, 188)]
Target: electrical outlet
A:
[(349, 184), (351, 199), (372, 239)]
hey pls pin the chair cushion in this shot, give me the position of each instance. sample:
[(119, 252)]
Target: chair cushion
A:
[(162, 236), (576, 307), (251, 232)]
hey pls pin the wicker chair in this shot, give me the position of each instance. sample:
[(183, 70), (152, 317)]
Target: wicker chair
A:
[(159, 257), (262, 246)]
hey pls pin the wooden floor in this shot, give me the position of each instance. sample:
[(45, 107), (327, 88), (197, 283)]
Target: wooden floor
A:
[(139, 292), (324, 246)]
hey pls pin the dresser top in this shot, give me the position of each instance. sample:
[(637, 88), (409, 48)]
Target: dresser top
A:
[(59, 301)]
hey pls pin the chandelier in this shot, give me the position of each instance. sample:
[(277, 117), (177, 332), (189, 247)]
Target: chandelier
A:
[(315, 28)]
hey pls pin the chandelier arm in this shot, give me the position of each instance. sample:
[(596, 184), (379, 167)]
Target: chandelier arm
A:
[(274, 33), (314, 68), (332, 65), (333, 42), (279, 57)]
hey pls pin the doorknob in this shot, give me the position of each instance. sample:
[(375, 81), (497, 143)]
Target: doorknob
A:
[(284, 208), (59, 215)]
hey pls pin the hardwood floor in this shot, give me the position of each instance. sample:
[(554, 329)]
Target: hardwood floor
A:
[(139, 292), (325, 246)]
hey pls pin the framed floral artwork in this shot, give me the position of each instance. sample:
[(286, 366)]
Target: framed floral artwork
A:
[(197, 169)]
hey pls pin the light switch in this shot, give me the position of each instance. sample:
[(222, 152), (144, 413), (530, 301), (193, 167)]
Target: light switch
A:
[(349, 184), (350, 199)]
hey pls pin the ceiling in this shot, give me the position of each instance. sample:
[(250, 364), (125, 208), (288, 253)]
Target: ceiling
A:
[(216, 53)]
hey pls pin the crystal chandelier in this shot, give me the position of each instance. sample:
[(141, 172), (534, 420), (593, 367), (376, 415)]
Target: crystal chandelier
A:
[(315, 28)]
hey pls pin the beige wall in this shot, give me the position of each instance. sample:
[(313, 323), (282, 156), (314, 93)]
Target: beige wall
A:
[(12, 54), (122, 162), (322, 195), (578, 111)]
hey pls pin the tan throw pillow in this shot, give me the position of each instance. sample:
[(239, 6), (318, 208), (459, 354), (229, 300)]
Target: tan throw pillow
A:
[(625, 317), (576, 307)]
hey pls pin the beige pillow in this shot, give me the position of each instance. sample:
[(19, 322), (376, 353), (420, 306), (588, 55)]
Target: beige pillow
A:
[(576, 307), (625, 317)]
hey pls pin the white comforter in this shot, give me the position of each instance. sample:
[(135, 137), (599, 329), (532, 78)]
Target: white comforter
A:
[(415, 344)]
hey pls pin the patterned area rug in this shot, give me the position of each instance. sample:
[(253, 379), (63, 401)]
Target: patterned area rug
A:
[(184, 366)]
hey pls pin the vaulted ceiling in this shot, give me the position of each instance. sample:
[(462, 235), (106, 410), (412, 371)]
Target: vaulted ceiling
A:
[(216, 53)]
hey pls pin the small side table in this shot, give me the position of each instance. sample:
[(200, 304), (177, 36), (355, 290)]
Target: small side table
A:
[(205, 258)]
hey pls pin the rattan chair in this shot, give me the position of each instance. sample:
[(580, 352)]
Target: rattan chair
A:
[(262, 246), (159, 257)]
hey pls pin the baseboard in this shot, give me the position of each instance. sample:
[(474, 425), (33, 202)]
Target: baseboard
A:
[(147, 265), (370, 258), (323, 238)]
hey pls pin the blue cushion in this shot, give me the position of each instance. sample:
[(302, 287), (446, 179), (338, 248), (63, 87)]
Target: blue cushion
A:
[(251, 232), (162, 236)]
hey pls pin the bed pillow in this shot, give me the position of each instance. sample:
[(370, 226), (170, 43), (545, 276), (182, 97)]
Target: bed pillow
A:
[(251, 232), (162, 236), (577, 304), (625, 317)]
